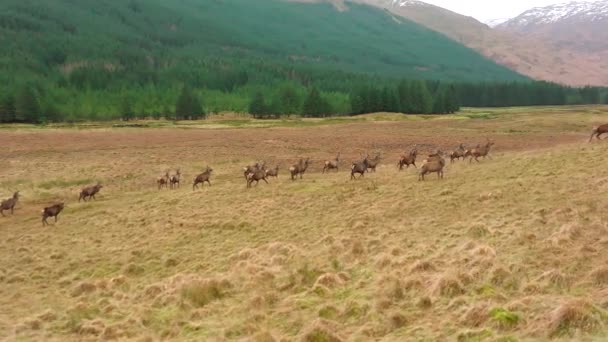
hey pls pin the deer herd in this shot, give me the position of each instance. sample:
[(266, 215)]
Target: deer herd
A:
[(434, 163)]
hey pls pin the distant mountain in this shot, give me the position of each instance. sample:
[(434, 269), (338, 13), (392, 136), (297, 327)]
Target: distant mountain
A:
[(495, 22), (579, 25)]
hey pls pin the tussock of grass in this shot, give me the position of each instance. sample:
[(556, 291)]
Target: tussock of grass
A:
[(575, 316)]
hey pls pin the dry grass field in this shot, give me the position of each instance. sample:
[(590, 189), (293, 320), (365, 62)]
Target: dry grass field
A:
[(512, 248)]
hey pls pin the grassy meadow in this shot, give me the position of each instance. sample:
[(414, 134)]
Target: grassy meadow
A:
[(509, 249)]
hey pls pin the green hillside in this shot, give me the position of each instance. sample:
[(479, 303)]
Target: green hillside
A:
[(82, 57)]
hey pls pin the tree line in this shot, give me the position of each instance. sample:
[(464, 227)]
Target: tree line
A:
[(33, 104)]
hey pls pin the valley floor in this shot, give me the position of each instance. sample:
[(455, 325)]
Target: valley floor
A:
[(511, 248)]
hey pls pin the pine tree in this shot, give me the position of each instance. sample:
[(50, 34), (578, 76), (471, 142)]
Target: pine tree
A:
[(357, 101), (126, 109), (196, 109), (421, 99), (7, 109), (315, 105), (27, 107), (405, 97), (289, 101), (184, 104), (257, 106)]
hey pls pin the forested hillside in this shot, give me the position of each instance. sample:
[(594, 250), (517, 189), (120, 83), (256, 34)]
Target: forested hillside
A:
[(101, 59)]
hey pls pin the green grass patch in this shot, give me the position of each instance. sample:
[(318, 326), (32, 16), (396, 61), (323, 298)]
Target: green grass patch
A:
[(504, 318)]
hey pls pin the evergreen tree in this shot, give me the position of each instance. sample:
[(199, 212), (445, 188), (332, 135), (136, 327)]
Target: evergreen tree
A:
[(405, 97), (126, 109), (421, 99), (196, 109), (27, 107), (289, 101), (7, 109), (257, 106), (184, 105), (315, 105)]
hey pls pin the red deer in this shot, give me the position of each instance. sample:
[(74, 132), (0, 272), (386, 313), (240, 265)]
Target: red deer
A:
[(52, 211), (273, 172), (332, 164), (481, 151), (458, 153), (597, 131), (202, 178), (256, 176), (90, 192), (163, 181), (252, 168), (407, 160), (299, 168), (359, 167), (373, 163), (9, 203), (174, 180), (433, 164)]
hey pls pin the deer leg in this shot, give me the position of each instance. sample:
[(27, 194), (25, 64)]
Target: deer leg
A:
[(264, 179), (209, 183), (2, 212)]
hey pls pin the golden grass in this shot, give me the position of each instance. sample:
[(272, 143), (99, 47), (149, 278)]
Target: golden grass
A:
[(511, 248)]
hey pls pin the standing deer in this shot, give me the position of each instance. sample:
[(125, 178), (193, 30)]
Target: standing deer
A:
[(481, 151), (299, 168), (332, 164), (256, 176), (9, 203), (52, 211), (163, 181), (407, 160), (597, 131), (433, 164), (174, 180), (458, 153), (359, 167), (90, 192), (202, 178)]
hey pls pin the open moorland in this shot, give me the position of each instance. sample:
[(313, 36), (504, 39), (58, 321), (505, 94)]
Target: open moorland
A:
[(511, 248)]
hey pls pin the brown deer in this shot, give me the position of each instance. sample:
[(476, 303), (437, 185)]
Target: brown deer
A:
[(52, 211), (252, 168), (407, 160), (174, 180), (373, 163), (273, 172), (202, 178), (481, 151), (9, 203), (332, 164), (163, 181), (458, 153), (90, 192), (597, 131), (433, 164), (299, 168), (256, 177), (359, 167)]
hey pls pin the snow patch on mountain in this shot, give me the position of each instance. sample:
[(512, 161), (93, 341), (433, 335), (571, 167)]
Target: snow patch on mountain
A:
[(588, 10)]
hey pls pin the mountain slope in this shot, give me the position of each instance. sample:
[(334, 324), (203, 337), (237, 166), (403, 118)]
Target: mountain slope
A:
[(536, 57), (580, 25), (166, 34)]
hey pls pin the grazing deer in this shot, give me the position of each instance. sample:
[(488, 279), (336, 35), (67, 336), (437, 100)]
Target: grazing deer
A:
[(52, 211), (163, 181), (332, 164), (597, 131), (9, 203), (359, 167), (174, 180), (407, 160), (373, 163), (256, 177), (273, 172), (460, 152), (481, 151), (299, 168), (90, 192), (433, 164), (202, 178)]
